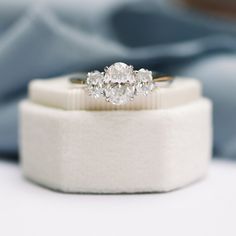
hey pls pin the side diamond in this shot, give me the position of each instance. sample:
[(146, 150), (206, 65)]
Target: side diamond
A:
[(95, 84), (144, 83)]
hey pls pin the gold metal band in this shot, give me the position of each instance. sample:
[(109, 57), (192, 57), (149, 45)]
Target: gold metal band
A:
[(163, 79), (78, 78)]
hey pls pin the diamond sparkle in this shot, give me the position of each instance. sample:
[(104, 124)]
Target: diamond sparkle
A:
[(119, 83), (95, 84), (144, 83)]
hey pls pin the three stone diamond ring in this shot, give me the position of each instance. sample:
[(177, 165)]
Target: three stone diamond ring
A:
[(120, 83)]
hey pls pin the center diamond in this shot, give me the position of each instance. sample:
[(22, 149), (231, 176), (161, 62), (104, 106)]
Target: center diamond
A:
[(119, 83)]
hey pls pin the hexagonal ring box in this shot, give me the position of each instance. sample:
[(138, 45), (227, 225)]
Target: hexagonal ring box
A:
[(71, 142)]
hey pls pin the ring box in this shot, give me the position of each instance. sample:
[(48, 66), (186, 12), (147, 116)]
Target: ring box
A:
[(72, 143)]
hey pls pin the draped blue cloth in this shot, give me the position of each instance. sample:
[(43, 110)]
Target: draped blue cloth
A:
[(44, 41)]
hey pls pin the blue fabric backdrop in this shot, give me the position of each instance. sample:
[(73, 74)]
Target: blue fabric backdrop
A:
[(43, 41)]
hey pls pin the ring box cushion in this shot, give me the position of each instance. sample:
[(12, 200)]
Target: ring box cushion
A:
[(60, 93), (107, 151)]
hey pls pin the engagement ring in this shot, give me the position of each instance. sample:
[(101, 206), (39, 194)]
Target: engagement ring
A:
[(120, 83)]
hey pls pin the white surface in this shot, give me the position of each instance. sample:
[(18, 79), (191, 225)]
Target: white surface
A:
[(60, 93), (205, 208), (116, 151)]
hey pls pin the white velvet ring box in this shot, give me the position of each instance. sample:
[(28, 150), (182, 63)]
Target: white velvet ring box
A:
[(73, 143)]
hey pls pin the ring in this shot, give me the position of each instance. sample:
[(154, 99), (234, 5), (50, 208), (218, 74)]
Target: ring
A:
[(120, 83)]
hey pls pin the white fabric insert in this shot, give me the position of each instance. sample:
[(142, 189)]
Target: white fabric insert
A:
[(60, 93)]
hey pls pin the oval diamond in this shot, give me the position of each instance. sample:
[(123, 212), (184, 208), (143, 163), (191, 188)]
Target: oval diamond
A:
[(119, 83)]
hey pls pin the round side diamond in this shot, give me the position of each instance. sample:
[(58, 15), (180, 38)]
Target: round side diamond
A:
[(119, 83), (144, 82), (95, 84)]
